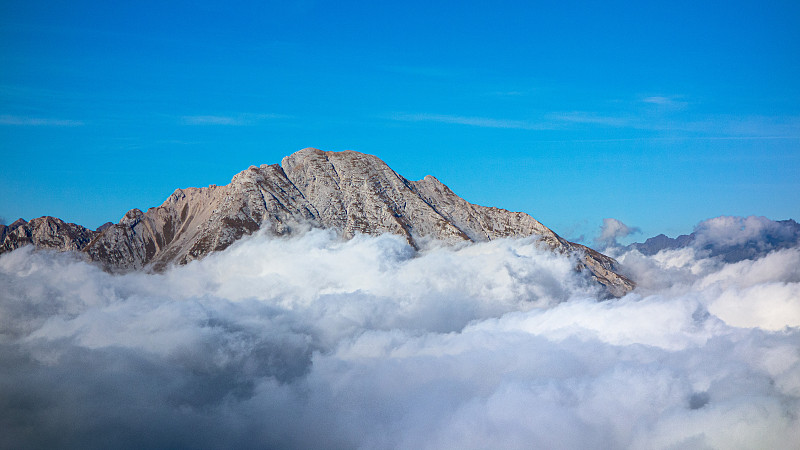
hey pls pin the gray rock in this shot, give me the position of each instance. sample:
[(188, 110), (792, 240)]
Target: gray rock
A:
[(45, 232), (348, 191)]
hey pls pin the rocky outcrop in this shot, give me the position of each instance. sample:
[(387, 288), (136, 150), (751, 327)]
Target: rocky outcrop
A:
[(348, 191), (45, 232), (196, 221)]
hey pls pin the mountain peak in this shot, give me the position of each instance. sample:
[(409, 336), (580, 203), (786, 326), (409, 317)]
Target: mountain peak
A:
[(352, 192)]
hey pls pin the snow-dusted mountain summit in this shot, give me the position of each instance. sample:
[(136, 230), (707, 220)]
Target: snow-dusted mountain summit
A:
[(349, 191)]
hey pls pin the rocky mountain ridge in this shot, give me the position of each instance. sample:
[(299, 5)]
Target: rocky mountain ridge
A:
[(731, 239), (348, 191)]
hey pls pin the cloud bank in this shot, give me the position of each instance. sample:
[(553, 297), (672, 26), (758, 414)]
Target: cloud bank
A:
[(312, 342)]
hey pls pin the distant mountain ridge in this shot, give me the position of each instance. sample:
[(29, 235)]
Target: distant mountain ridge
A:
[(348, 191), (729, 238)]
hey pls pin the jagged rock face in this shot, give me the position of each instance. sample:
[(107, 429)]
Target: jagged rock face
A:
[(359, 193), (196, 221), (354, 193), (348, 191), (45, 232)]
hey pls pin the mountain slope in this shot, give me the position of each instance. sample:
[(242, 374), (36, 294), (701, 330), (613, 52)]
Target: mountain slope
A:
[(45, 232), (348, 191)]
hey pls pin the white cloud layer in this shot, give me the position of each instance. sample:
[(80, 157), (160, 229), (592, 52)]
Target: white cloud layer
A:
[(316, 343)]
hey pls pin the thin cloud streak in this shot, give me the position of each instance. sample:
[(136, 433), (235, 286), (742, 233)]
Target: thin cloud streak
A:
[(235, 120), (658, 100), (483, 122), (676, 138), (584, 117), (664, 101), (685, 127), (7, 119), (421, 71), (715, 127)]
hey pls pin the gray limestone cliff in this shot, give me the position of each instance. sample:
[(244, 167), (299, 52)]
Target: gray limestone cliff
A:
[(348, 191), (45, 232)]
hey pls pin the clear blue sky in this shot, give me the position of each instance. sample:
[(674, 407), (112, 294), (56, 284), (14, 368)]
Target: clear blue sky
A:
[(659, 114)]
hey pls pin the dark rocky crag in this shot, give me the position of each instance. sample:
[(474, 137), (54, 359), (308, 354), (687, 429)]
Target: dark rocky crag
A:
[(348, 191)]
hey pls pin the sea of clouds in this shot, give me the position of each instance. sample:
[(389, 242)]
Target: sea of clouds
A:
[(312, 342)]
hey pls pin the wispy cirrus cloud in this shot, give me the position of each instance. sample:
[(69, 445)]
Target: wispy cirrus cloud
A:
[(211, 120), (421, 71), (484, 122), (695, 126), (7, 119), (548, 121), (592, 118), (229, 120), (776, 127), (669, 102), (677, 124), (507, 93)]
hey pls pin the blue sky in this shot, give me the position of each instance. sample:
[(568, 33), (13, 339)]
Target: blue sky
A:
[(659, 115)]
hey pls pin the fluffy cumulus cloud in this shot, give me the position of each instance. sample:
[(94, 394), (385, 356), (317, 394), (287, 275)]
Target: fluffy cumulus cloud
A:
[(312, 342), (613, 229)]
